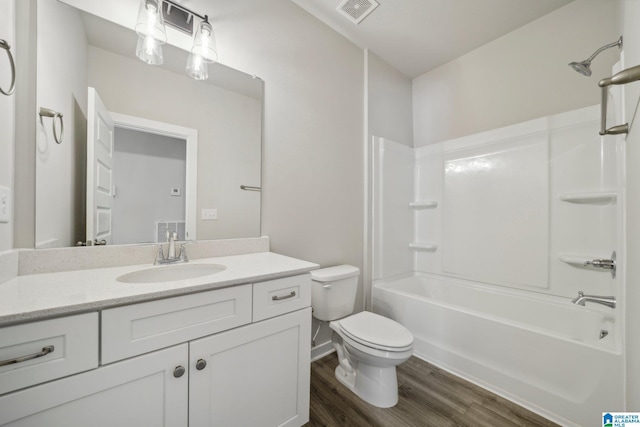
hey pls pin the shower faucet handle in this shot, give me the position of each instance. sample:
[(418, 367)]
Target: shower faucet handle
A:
[(607, 264), (601, 263)]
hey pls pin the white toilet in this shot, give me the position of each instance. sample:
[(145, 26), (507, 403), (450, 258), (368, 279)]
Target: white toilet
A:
[(369, 346)]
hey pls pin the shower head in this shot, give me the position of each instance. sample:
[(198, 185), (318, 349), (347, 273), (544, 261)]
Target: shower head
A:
[(584, 67)]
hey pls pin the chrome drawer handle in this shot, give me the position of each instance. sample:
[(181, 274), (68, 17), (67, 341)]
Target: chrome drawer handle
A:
[(277, 298), (45, 350)]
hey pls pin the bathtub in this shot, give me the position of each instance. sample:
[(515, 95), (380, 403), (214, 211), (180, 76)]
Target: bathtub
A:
[(557, 359)]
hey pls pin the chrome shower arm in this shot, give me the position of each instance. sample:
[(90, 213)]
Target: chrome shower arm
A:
[(616, 43)]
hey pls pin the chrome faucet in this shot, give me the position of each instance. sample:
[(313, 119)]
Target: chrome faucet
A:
[(582, 298), (171, 253)]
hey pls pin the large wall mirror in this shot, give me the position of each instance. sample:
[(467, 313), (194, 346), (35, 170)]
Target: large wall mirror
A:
[(182, 150)]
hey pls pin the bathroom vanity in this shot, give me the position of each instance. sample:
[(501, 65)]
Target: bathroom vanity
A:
[(229, 348)]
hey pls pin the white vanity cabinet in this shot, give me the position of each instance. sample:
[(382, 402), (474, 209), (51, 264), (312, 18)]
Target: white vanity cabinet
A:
[(237, 356), (141, 391), (257, 375)]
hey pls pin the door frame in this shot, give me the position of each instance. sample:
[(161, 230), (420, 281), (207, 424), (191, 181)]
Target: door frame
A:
[(190, 135)]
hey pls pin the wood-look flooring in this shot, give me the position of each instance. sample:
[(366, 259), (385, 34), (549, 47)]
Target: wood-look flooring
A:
[(429, 396)]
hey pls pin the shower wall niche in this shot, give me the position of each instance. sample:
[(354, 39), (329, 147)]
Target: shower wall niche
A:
[(524, 207)]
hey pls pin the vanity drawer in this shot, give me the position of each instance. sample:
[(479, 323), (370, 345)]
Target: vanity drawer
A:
[(140, 328), (280, 296), (56, 348)]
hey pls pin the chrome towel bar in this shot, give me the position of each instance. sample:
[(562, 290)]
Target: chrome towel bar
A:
[(622, 78), (250, 188)]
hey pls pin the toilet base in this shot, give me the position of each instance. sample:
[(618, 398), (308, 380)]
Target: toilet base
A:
[(376, 386)]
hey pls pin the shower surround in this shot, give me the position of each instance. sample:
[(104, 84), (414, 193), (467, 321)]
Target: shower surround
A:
[(480, 245)]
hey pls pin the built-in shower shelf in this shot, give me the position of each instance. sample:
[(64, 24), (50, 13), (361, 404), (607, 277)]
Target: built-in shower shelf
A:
[(423, 204), (595, 198), (431, 247), (576, 260)]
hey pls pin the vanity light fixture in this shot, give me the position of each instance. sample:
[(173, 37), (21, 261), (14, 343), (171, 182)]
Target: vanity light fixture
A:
[(152, 16)]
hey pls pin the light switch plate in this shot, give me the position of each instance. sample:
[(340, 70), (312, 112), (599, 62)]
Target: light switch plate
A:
[(5, 204), (209, 214)]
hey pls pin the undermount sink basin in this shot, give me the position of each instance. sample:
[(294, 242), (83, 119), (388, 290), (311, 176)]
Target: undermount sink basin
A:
[(170, 273)]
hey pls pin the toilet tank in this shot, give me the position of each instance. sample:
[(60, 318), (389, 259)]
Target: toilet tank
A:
[(333, 291)]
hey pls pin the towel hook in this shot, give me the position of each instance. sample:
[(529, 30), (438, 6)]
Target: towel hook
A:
[(4, 45), (47, 112)]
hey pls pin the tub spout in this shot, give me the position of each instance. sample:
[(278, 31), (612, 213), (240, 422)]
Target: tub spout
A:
[(581, 299)]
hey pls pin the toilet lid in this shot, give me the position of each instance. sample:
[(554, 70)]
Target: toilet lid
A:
[(377, 331)]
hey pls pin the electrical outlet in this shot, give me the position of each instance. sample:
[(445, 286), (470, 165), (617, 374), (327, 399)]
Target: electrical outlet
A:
[(209, 214), (5, 204)]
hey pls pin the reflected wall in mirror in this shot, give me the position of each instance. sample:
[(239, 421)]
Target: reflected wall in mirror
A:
[(76, 51)]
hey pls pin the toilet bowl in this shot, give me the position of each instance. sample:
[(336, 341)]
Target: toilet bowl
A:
[(369, 346)]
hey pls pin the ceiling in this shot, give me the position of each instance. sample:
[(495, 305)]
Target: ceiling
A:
[(416, 36)]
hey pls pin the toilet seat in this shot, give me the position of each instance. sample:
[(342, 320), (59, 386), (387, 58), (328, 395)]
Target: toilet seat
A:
[(377, 332)]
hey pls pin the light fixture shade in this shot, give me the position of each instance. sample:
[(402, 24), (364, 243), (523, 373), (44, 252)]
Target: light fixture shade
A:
[(197, 67), (204, 42), (150, 22), (149, 50)]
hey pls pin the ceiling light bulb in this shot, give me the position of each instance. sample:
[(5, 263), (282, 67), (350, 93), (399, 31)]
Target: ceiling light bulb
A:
[(197, 67), (150, 21), (149, 50), (204, 42)]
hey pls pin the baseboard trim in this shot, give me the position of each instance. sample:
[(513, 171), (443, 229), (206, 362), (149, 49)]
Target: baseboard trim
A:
[(320, 351)]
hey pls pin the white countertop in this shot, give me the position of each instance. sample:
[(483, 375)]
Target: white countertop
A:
[(36, 296)]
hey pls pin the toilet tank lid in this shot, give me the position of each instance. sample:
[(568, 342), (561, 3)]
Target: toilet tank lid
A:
[(337, 272)]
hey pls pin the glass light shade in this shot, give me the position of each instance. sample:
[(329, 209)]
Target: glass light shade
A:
[(204, 43), (149, 50), (197, 67), (150, 22)]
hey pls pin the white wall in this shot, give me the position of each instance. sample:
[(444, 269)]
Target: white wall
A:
[(520, 76), (389, 102), (62, 86), (313, 162), (25, 135), (7, 110), (631, 300), (229, 133), (164, 160)]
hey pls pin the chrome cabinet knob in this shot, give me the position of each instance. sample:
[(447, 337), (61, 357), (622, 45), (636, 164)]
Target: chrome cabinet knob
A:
[(178, 371), (201, 364)]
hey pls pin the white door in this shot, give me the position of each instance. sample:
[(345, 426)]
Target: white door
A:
[(144, 391), (100, 128), (252, 376)]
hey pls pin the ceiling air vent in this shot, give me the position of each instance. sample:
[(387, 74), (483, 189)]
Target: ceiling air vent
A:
[(357, 10)]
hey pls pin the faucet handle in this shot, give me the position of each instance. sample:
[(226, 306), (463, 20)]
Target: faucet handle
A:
[(183, 250), (159, 256), (606, 264)]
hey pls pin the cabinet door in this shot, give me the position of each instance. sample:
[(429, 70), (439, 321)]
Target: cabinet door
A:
[(256, 375), (136, 392)]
